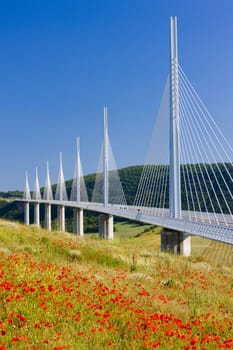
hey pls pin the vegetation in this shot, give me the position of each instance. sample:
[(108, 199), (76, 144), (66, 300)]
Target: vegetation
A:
[(199, 183), (130, 178), (59, 291), (11, 194)]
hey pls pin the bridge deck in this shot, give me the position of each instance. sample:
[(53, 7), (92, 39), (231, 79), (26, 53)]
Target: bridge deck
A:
[(198, 225)]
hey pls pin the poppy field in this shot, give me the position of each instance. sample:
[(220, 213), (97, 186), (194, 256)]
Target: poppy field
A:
[(59, 292)]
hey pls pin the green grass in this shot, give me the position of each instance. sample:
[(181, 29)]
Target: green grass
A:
[(216, 253), (126, 229), (59, 291)]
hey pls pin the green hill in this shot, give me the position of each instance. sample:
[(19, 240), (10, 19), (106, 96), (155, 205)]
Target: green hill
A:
[(15, 211), (130, 177)]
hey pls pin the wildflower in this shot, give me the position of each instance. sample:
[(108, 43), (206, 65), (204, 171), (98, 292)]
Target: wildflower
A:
[(37, 325), (50, 288), (79, 334), (21, 318)]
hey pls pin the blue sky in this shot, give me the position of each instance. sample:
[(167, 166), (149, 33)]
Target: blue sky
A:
[(62, 61)]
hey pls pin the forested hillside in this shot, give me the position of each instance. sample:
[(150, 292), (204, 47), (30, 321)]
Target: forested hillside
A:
[(15, 211), (130, 178)]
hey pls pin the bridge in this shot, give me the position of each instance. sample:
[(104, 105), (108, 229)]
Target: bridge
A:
[(186, 184)]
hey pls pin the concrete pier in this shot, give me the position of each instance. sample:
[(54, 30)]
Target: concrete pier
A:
[(61, 217), (48, 216), (106, 226), (26, 214), (78, 221), (175, 242), (37, 214)]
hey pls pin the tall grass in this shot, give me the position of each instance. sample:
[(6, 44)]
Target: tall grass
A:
[(61, 292)]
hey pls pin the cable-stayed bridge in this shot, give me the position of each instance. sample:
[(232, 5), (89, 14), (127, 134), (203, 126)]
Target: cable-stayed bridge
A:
[(186, 184)]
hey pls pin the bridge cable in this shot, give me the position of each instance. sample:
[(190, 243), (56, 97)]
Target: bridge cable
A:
[(193, 107)]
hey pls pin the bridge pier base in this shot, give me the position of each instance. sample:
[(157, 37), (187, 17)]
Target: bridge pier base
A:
[(106, 226), (178, 243), (61, 217), (48, 216), (37, 214), (78, 221), (26, 214)]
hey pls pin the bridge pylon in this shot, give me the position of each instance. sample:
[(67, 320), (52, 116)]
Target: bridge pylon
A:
[(61, 195), (48, 195), (37, 196), (174, 241), (106, 220), (105, 158), (174, 188), (26, 195), (78, 212)]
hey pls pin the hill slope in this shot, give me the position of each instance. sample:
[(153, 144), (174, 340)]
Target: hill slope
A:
[(61, 292)]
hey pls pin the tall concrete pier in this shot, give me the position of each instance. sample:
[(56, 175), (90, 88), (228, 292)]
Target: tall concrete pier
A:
[(78, 221), (106, 226)]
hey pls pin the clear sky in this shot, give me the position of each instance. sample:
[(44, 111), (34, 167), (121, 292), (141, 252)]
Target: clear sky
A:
[(61, 61)]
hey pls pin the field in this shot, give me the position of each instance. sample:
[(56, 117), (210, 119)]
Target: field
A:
[(216, 253), (62, 292)]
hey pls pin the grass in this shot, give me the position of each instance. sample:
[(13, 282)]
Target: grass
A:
[(216, 253), (59, 291), (213, 252), (125, 229)]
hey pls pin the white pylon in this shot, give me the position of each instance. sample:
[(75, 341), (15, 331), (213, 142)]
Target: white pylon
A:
[(76, 186), (78, 170), (61, 194), (27, 194), (78, 191), (105, 157), (48, 194), (174, 188), (36, 193)]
